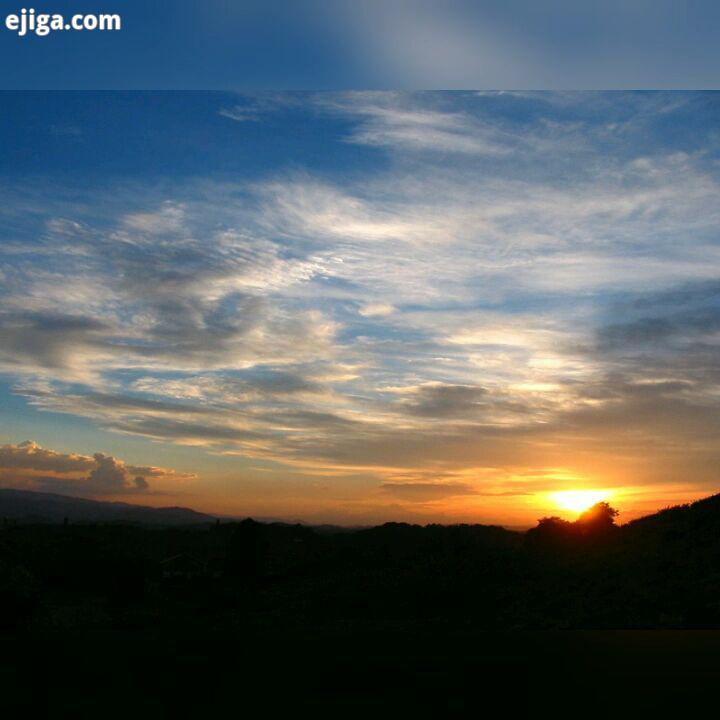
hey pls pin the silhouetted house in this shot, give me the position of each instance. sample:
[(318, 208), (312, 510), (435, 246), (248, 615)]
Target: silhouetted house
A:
[(181, 567), (215, 567)]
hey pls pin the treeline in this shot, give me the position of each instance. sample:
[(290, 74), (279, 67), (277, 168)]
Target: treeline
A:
[(660, 572)]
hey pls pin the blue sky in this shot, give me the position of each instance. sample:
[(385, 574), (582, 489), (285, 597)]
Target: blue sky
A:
[(357, 306), (388, 44)]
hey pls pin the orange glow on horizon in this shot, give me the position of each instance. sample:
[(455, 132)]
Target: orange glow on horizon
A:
[(578, 501)]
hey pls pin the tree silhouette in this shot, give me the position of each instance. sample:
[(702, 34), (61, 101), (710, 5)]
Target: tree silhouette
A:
[(554, 532), (600, 517), (550, 531)]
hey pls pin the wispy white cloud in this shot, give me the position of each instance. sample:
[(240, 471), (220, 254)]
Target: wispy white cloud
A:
[(453, 308), (388, 121), (239, 114)]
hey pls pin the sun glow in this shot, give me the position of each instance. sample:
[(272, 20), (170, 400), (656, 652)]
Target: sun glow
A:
[(578, 500)]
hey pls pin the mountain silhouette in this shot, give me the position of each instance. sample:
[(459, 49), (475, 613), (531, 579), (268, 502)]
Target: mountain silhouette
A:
[(30, 506)]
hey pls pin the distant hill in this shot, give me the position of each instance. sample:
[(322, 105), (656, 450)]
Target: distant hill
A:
[(33, 506), (658, 572), (696, 515), (684, 534), (682, 524)]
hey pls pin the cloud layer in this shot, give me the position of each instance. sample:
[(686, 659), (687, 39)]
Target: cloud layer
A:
[(518, 290), (29, 465)]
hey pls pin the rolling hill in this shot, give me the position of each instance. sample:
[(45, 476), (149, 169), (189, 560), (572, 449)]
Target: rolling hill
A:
[(27, 505)]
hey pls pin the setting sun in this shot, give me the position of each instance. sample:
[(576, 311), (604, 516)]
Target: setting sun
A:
[(578, 500)]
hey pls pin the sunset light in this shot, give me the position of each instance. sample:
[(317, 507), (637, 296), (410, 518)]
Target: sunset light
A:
[(578, 500), (424, 308), (360, 354)]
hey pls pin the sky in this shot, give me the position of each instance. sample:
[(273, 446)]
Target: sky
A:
[(390, 44), (355, 307)]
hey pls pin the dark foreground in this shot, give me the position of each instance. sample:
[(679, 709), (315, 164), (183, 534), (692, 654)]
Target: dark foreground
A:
[(118, 620), (429, 672)]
